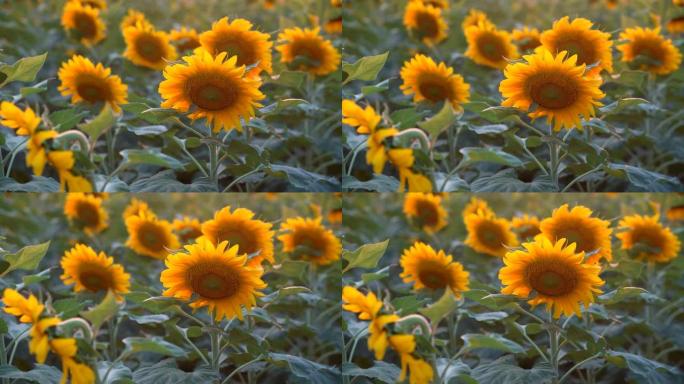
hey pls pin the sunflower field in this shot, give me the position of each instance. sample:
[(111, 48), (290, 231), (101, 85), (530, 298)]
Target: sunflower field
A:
[(170, 288), (513, 288), (506, 96), (169, 96)]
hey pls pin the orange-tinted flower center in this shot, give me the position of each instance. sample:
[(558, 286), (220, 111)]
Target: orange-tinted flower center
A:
[(552, 91), (87, 214), (211, 93), (149, 47), (551, 279), (213, 281), (85, 25)]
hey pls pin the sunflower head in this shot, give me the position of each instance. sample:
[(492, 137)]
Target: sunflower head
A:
[(97, 4), (239, 227), (23, 122), (308, 239), (306, 50), (489, 46), (27, 309), (555, 273), (365, 120), (647, 239), (88, 83), (647, 49), (676, 25), (474, 18), (367, 306), (84, 22), (676, 213), (592, 47), (432, 82), (488, 234), (185, 39), (213, 276), (214, 88), (527, 39), (149, 236), (429, 269), (132, 19), (86, 211), (136, 207), (526, 226), (426, 211), (239, 38), (426, 22), (148, 47), (475, 205), (554, 87), (188, 229), (90, 271), (591, 234)]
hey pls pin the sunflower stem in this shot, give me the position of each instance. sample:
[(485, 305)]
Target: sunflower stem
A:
[(214, 346), (3, 356), (554, 348), (213, 159), (554, 161)]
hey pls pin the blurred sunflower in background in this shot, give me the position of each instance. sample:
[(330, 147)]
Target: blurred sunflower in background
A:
[(426, 268), (489, 46), (306, 50), (84, 22), (150, 236), (85, 211), (85, 82), (647, 239), (489, 234), (239, 38), (426, 211), (432, 82), (648, 50), (425, 22), (147, 47), (308, 239), (91, 271)]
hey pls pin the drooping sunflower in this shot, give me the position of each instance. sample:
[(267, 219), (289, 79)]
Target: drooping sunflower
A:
[(554, 87), (591, 234), (476, 205), (239, 227), (649, 50), (334, 26), (429, 269), (88, 83), (214, 88), (676, 213), (238, 38), (150, 236), (306, 50), (37, 155), (66, 349), (474, 18), (647, 239), (426, 22), (526, 226), (23, 122), (429, 81), (148, 47), (90, 271), (135, 207), (488, 234), (676, 25), (426, 211), (86, 211), (27, 309), (132, 19), (185, 39), (555, 273), (213, 276), (84, 21), (187, 229), (365, 120), (367, 306), (527, 39), (378, 337), (489, 46), (592, 47), (308, 239), (377, 154), (403, 159)]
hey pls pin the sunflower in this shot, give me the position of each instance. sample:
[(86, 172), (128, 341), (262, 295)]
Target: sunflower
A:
[(306, 50), (526, 226), (489, 46), (308, 239), (238, 38), (378, 337), (97, 4), (333, 26), (649, 50), (676, 25), (527, 39), (428, 269), (647, 239), (679, 3), (425, 210), (93, 272), (27, 309), (488, 234), (37, 157), (148, 47), (23, 122), (475, 205), (556, 273), (214, 88), (239, 227), (554, 86), (420, 371), (185, 39), (474, 18), (365, 120), (66, 349), (86, 211), (427, 80), (377, 155), (403, 159), (676, 213), (441, 4), (88, 83), (136, 207), (213, 276), (132, 19), (591, 234), (84, 22), (592, 47), (187, 229), (367, 306), (426, 22), (150, 236)]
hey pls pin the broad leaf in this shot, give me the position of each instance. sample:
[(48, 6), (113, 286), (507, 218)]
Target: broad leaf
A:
[(366, 256), (366, 68)]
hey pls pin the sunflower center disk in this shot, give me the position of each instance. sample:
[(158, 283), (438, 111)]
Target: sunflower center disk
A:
[(575, 236), (433, 91), (585, 54), (427, 25), (426, 215), (87, 215), (433, 276), (490, 236), (307, 54), (551, 280), (90, 92), (148, 47), (308, 246), (94, 281), (244, 54), (150, 238), (552, 93), (85, 25), (215, 285), (649, 53), (234, 237), (212, 96)]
